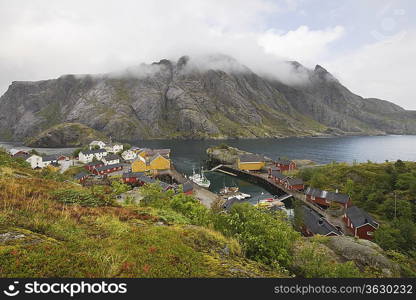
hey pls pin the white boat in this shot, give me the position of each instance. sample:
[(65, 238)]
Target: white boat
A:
[(240, 196), (200, 179)]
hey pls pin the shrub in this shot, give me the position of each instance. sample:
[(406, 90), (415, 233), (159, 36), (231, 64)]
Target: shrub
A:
[(119, 187), (154, 196), (191, 208), (85, 197), (266, 238)]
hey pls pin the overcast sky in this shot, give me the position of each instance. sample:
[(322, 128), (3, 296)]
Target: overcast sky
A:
[(369, 45)]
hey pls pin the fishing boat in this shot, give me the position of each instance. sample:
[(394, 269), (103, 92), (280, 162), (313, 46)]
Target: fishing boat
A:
[(199, 178)]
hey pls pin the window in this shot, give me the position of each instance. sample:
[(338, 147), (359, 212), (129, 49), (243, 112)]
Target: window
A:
[(370, 233)]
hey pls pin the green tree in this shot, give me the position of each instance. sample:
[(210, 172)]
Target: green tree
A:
[(319, 180), (386, 237)]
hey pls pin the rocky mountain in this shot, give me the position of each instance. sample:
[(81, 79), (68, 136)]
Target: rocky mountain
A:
[(214, 98)]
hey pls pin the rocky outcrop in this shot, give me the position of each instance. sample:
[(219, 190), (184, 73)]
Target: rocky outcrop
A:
[(224, 154), (217, 99), (365, 254), (66, 135)]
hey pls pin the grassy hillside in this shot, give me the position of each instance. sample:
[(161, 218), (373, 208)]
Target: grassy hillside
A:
[(52, 227)]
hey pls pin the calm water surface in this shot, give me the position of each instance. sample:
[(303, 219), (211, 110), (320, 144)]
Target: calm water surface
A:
[(188, 154)]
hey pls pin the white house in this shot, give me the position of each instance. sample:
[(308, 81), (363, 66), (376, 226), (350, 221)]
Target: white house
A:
[(35, 161), (114, 148), (88, 156), (50, 159), (13, 151), (99, 144), (129, 155), (111, 159)]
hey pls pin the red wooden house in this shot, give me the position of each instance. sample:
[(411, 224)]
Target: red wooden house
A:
[(360, 223), (314, 223), (108, 169), (131, 177), (294, 184), (93, 165), (278, 177), (285, 165), (188, 188), (62, 157), (81, 177), (325, 198)]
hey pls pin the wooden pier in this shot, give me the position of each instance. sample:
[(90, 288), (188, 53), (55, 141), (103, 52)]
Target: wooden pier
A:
[(205, 196)]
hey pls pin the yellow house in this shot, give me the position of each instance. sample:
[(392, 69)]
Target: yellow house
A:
[(158, 162), (143, 152), (250, 162), (139, 165)]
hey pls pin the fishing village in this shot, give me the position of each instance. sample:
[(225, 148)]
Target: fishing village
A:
[(327, 213)]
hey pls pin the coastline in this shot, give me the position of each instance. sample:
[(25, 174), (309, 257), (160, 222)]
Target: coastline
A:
[(22, 143)]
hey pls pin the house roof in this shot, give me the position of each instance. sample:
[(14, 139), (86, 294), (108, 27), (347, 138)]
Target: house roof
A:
[(294, 181), (283, 161), (22, 155), (50, 157), (279, 175), (251, 158), (332, 196), (164, 185), (133, 174), (93, 151), (80, 175), (316, 223), (338, 197), (146, 179), (103, 168), (14, 151), (111, 157), (160, 151), (360, 217), (229, 203), (187, 186)]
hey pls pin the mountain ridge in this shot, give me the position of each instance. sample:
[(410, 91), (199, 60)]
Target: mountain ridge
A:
[(216, 97)]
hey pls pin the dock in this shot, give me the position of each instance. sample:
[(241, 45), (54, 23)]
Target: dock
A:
[(205, 196)]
